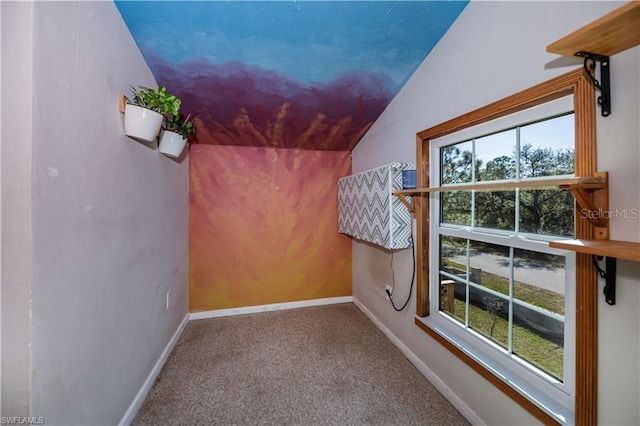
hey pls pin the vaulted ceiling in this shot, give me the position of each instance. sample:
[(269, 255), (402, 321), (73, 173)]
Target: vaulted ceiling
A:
[(286, 74)]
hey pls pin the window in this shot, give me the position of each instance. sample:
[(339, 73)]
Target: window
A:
[(490, 289), (502, 289)]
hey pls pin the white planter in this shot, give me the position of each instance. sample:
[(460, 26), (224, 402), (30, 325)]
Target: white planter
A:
[(142, 124), (171, 144)]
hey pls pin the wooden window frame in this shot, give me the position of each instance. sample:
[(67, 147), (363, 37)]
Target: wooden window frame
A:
[(577, 84)]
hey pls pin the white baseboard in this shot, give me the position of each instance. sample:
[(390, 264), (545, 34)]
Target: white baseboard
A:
[(463, 408), (268, 308), (146, 387)]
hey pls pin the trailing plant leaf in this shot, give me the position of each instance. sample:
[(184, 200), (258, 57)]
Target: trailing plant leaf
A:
[(158, 100), (182, 126)]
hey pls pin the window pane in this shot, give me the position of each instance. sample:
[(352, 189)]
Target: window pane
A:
[(539, 281), (489, 316), (547, 148), (456, 163), (534, 342), (456, 207), (547, 212), (452, 298), (453, 252), (495, 156), (453, 256), (495, 210), (488, 313), (490, 266)]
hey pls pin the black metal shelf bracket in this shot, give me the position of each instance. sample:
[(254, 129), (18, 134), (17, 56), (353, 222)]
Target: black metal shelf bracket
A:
[(604, 85), (609, 277)]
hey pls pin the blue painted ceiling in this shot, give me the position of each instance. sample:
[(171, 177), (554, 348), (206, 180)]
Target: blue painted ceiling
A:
[(286, 74)]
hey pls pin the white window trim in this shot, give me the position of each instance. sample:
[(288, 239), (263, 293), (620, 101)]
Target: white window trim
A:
[(554, 397)]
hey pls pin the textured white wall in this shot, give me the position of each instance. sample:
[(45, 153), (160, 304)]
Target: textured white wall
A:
[(17, 50), (109, 219), (493, 50), (618, 327)]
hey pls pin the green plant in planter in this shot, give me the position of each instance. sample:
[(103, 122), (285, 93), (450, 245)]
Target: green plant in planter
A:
[(182, 126), (158, 100)]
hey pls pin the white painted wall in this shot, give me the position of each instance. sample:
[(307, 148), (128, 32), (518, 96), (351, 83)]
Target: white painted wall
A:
[(17, 72), (0, 220), (618, 332), (109, 220), (493, 50)]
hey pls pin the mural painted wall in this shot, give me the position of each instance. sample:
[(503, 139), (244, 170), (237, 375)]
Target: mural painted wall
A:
[(281, 92), (262, 226), (310, 74)]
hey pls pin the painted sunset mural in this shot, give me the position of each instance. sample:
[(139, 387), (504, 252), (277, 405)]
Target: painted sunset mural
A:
[(303, 74), (281, 92), (267, 235)]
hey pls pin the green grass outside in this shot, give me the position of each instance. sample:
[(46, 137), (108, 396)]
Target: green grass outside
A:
[(540, 352), (536, 296), (526, 344)]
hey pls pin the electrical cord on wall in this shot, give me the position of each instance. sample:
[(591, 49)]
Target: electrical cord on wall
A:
[(413, 275)]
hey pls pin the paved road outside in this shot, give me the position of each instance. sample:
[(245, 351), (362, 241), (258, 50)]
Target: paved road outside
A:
[(548, 278)]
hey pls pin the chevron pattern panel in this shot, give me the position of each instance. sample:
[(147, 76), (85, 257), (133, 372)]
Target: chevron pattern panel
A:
[(368, 211)]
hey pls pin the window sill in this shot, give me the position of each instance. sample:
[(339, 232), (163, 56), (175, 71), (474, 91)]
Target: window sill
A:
[(541, 406)]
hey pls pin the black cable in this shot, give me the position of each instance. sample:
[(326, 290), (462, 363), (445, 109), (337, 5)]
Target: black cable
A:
[(413, 275)]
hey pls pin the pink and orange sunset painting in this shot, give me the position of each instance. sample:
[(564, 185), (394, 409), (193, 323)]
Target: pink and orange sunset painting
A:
[(281, 92)]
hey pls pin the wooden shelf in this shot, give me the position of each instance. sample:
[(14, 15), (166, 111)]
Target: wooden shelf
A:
[(574, 182), (608, 248), (577, 185), (611, 34)]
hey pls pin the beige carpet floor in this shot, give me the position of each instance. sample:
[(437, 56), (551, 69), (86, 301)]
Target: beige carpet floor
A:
[(308, 366)]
